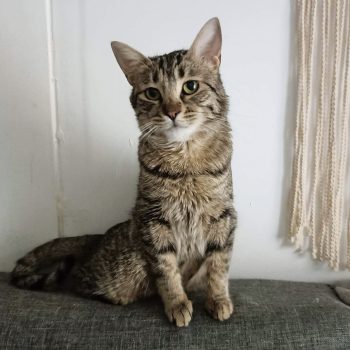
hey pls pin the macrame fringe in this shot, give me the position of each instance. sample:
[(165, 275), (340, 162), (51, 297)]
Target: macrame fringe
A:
[(320, 202)]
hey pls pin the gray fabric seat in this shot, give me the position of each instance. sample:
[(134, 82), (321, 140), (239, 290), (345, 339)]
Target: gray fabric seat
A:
[(269, 315)]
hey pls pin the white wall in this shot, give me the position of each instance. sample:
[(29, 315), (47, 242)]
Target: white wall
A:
[(27, 186), (97, 153)]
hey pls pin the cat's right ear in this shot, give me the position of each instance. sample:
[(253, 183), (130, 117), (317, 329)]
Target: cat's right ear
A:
[(130, 60), (207, 44)]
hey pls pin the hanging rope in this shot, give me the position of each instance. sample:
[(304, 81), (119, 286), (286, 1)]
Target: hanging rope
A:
[(319, 196)]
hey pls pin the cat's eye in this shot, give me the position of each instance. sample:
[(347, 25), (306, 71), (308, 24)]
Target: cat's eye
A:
[(190, 87), (152, 94)]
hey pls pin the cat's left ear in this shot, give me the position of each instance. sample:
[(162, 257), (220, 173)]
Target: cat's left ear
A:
[(207, 43)]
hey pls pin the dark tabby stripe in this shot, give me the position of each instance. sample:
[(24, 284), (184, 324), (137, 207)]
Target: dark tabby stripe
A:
[(167, 249), (226, 213), (230, 234), (153, 201), (161, 63), (166, 64), (181, 72), (221, 171), (213, 247), (216, 247), (147, 241), (175, 176), (155, 76), (211, 88), (163, 222), (161, 173), (153, 215)]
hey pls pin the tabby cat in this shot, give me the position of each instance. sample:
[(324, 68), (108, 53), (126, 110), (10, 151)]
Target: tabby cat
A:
[(180, 233)]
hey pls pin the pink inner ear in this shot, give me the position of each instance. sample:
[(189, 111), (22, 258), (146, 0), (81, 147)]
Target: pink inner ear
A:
[(217, 60), (207, 44)]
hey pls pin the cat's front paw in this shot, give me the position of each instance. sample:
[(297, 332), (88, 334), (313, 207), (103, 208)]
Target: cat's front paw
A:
[(181, 313), (221, 309)]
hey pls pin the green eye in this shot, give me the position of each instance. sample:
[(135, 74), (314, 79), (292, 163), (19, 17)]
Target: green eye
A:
[(190, 87), (152, 94)]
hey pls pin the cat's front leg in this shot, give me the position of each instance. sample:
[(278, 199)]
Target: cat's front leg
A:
[(162, 252), (217, 263), (178, 307), (218, 302)]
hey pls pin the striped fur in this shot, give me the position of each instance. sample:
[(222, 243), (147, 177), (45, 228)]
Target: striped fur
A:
[(182, 226)]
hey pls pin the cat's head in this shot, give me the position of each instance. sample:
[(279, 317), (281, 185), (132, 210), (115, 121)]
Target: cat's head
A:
[(177, 95)]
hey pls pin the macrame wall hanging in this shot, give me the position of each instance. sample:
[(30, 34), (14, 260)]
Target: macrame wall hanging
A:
[(320, 193)]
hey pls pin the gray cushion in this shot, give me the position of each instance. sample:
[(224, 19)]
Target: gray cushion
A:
[(269, 315), (342, 288)]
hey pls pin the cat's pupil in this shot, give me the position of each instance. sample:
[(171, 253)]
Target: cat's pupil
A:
[(153, 93), (191, 85)]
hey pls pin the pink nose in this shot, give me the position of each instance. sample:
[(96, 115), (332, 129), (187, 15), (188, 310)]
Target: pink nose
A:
[(172, 110), (172, 114)]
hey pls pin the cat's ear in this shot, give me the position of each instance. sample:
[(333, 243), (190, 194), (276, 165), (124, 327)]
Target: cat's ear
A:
[(130, 60), (207, 43)]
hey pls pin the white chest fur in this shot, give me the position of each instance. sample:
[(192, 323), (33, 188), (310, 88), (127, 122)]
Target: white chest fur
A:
[(190, 243)]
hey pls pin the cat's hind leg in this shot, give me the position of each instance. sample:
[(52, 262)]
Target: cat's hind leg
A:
[(119, 279)]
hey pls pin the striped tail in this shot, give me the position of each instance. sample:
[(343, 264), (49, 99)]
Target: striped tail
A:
[(47, 266)]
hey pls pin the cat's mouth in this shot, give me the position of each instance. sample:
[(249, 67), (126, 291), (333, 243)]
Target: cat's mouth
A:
[(176, 124), (179, 132)]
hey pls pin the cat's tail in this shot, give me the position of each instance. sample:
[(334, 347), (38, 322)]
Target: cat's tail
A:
[(48, 265)]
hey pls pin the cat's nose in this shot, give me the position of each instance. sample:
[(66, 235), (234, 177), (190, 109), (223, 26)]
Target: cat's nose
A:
[(173, 114), (173, 110)]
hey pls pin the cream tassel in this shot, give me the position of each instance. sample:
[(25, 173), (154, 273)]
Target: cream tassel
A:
[(319, 195)]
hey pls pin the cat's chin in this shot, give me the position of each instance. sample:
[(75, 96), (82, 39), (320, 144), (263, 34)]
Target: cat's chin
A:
[(180, 133)]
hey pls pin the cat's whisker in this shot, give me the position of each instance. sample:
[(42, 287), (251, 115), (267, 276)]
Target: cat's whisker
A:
[(211, 129), (146, 127), (147, 134)]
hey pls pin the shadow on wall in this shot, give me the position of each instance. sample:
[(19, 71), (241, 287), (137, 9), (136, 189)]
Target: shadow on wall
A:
[(289, 126)]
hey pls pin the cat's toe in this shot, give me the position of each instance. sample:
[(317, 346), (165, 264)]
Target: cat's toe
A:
[(180, 313), (220, 309)]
